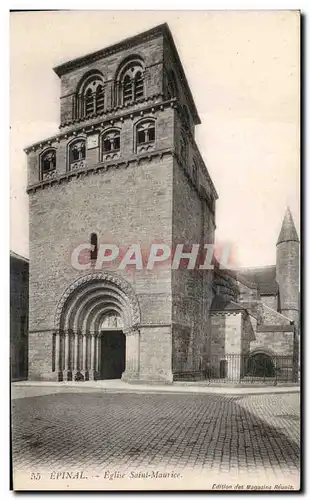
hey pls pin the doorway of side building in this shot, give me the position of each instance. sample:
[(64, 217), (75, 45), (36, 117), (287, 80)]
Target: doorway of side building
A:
[(113, 351), (261, 365)]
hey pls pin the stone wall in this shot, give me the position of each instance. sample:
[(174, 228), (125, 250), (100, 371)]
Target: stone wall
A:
[(64, 216), (270, 301), (288, 279), (192, 223), (218, 325), (19, 281), (228, 340), (156, 354), (272, 317), (248, 333), (280, 343)]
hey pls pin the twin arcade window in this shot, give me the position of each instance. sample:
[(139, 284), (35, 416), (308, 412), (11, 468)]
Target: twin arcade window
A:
[(144, 139), (132, 83), (111, 141), (109, 145), (145, 132), (94, 98), (127, 87), (48, 164), (90, 97), (77, 151)]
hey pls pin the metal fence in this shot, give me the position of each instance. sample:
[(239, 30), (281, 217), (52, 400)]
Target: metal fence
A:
[(236, 368)]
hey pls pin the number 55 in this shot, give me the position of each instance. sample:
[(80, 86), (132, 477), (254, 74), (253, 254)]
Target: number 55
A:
[(35, 476)]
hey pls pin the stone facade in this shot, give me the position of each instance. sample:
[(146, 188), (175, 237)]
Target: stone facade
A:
[(19, 283), (125, 170), (133, 195)]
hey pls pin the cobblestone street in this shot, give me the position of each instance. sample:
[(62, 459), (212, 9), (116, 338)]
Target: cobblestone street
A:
[(218, 433)]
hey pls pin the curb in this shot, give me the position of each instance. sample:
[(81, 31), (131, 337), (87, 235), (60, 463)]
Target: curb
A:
[(186, 390)]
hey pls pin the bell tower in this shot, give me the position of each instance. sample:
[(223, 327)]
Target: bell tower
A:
[(123, 169)]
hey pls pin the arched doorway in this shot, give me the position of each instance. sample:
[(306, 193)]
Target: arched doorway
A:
[(97, 334), (260, 364), (113, 347)]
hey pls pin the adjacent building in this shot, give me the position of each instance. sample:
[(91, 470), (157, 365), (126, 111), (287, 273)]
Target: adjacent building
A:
[(19, 284)]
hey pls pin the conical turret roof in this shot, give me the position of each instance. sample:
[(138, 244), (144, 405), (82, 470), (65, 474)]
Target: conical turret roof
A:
[(288, 231)]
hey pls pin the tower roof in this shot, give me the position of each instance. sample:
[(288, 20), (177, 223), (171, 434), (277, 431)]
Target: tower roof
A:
[(288, 230)]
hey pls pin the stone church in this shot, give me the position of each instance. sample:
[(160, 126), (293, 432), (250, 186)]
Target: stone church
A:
[(125, 169)]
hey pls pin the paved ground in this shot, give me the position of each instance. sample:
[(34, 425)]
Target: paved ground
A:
[(222, 433)]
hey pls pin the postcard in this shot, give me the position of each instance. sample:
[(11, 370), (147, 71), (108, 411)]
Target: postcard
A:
[(155, 250)]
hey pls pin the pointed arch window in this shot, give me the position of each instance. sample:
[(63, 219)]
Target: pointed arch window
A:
[(48, 164)]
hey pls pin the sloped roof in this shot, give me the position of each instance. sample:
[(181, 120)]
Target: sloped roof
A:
[(288, 230), (263, 277), (16, 256), (220, 303)]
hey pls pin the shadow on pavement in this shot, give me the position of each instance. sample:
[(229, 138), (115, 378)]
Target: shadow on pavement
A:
[(136, 430)]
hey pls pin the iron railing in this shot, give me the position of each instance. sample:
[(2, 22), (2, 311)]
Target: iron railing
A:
[(236, 368)]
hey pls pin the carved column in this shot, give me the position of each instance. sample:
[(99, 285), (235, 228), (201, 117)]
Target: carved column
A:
[(92, 371), (132, 366), (58, 369), (67, 355), (76, 351), (74, 113), (66, 350), (76, 366), (115, 94), (84, 367), (98, 353), (78, 106)]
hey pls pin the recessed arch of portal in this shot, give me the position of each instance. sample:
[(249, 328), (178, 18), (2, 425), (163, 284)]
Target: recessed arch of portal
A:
[(79, 318), (101, 319), (82, 299), (92, 321), (86, 302), (262, 350)]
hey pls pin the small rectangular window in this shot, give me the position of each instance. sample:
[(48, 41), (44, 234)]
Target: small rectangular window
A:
[(94, 244)]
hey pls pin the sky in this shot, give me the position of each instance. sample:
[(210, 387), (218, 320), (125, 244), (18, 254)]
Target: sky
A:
[(243, 70)]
